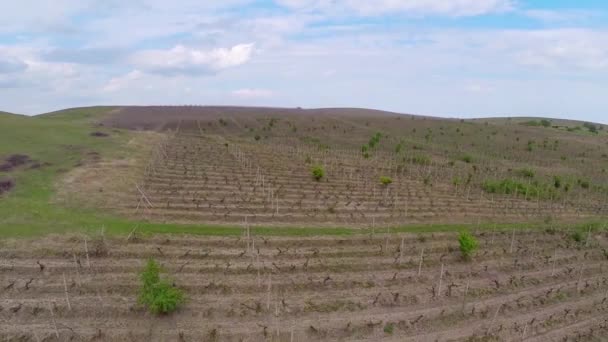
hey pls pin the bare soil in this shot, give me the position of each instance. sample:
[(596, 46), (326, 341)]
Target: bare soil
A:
[(532, 286)]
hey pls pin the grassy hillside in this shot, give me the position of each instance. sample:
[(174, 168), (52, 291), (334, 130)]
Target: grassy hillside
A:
[(58, 142)]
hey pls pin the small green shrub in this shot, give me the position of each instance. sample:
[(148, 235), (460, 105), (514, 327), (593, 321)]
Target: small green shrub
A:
[(545, 123), (374, 140), (420, 160), (157, 295), (384, 180), (577, 236), (389, 328), (468, 244), (467, 158), (257, 137), (318, 172), (526, 173)]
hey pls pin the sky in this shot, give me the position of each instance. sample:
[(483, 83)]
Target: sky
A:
[(452, 58)]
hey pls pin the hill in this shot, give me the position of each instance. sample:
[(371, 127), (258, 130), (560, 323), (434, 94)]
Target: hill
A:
[(236, 164), (173, 168)]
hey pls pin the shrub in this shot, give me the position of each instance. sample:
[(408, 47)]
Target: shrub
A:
[(257, 137), (467, 158), (577, 236), (318, 172), (557, 182), (157, 295), (389, 328), (468, 244), (385, 180), (545, 123), (420, 160), (374, 140), (509, 186), (526, 173)]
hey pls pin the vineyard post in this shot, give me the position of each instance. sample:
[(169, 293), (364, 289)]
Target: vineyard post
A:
[(78, 278), (588, 234), (67, 296), (493, 319), (401, 250), (53, 320), (512, 241), (554, 259), (440, 281), (268, 291), (420, 262), (466, 291), (523, 334), (580, 277), (86, 250)]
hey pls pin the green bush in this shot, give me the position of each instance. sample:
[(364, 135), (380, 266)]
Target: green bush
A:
[(420, 160), (526, 173), (157, 295), (389, 328), (467, 158), (509, 187), (577, 236), (384, 180), (545, 123), (375, 139), (318, 172), (468, 244)]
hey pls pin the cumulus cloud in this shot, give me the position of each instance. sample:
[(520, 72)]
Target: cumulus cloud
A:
[(187, 61), (453, 8), (248, 93)]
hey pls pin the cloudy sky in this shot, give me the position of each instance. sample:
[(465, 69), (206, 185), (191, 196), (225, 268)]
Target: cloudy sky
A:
[(457, 58)]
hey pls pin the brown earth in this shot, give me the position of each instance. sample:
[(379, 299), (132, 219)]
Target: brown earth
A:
[(227, 165), (532, 286)]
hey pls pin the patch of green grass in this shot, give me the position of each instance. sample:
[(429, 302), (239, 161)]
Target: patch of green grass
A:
[(59, 142)]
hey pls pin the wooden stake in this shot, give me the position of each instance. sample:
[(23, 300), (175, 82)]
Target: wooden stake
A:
[(268, 294), (466, 291), (67, 296), (554, 259), (401, 249), (420, 263), (512, 241), (493, 319), (86, 250), (53, 319), (440, 281)]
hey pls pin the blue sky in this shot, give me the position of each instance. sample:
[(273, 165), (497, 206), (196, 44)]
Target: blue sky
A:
[(454, 58)]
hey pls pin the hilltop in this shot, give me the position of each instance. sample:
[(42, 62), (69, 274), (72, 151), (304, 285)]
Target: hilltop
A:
[(223, 166)]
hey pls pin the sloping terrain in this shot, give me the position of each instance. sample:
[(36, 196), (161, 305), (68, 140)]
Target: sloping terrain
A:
[(229, 165)]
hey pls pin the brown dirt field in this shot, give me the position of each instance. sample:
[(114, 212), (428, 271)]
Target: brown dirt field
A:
[(227, 165), (527, 285)]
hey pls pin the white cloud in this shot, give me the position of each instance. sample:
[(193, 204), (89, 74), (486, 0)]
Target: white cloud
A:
[(184, 60), (248, 93), (555, 16), (452, 8), (118, 83)]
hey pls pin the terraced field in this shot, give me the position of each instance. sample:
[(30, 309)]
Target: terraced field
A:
[(521, 285), (194, 176)]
